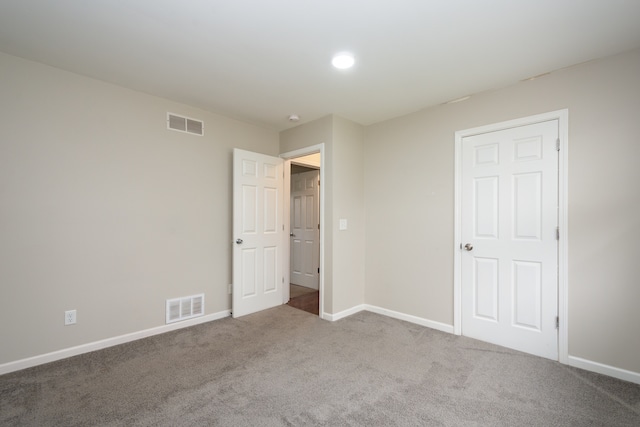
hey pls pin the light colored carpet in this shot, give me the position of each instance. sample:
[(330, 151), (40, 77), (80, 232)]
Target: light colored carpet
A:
[(286, 367)]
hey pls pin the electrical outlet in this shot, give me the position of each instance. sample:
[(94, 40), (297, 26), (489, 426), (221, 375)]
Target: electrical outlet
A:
[(69, 317)]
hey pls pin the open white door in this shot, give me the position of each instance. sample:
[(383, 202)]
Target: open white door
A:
[(258, 232)]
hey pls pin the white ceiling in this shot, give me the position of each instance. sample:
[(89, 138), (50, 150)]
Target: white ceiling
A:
[(262, 60)]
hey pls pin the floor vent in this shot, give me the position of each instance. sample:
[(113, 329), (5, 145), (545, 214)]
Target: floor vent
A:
[(185, 308), (185, 124)]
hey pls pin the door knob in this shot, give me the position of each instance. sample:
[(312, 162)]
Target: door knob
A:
[(468, 247), (292, 235), (239, 241)]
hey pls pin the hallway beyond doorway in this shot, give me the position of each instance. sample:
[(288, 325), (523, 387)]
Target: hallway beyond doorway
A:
[(305, 299)]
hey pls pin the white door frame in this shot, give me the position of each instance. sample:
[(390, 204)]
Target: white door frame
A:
[(563, 121), (318, 148)]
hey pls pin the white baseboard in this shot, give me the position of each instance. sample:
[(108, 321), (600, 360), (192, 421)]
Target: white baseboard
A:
[(411, 319), (577, 362), (600, 368), (390, 313), (109, 342), (17, 365), (343, 314)]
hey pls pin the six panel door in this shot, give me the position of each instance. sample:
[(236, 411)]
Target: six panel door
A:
[(257, 232), (305, 220), (509, 220)]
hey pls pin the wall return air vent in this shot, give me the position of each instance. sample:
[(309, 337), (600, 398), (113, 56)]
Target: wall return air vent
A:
[(185, 124), (185, 308)]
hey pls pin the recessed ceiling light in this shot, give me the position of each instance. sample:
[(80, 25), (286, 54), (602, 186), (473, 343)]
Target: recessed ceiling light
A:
[(343, 60)]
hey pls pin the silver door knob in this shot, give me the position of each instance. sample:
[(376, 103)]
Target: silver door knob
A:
[(468, 247), (292, 235), (239, 241)]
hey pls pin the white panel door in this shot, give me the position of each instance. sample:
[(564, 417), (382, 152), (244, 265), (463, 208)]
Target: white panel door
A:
[(305, 231), (258, 232), (510, 250)]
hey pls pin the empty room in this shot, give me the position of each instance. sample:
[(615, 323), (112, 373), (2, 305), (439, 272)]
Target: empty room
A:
[(319, 213)]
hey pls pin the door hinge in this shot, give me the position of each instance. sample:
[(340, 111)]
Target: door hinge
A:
[(557, 233), (557, 322), (558, 144), (318, 270)]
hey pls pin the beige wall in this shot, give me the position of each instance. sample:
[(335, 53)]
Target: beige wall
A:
[(306, 135), (104, 210), (343, 170), (409, 184), (348, 203)]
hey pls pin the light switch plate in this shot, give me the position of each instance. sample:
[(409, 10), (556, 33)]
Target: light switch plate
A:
[(343, 224)]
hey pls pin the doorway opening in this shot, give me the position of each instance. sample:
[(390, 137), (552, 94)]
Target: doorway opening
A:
[(304, 235), (304, 214)]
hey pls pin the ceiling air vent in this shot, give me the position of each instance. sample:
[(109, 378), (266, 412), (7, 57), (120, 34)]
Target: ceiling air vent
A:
[(185, 124), (185, 308)]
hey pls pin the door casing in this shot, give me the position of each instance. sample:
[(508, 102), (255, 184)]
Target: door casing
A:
[(563, 118), (318, 148)]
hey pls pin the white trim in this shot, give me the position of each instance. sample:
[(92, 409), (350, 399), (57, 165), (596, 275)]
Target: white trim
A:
[(109, 342), (563, 243), (318, 148), (574, 361), (286, 239), (457, 237), (410, 318), (345, 313), (612, 371), (390, 313), (563, 279)]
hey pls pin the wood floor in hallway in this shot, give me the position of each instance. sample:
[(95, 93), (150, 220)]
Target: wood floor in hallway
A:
[(305, 299)]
